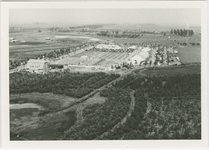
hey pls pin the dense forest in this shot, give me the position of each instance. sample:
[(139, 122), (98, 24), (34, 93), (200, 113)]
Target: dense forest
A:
[(71, 84), (103, 117), (166, 107)]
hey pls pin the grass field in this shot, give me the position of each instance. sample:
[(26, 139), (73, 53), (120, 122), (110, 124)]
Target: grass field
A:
[(190, 54), (47, 100), (183, 69), (36, 43), (50, 127)]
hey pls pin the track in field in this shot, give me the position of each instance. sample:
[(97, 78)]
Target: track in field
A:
[(112, 56), (108, 55)]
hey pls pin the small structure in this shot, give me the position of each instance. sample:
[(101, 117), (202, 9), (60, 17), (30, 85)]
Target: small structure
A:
[(132, 47), (37, 66), (47, 38), (84, 57), (13, 41)]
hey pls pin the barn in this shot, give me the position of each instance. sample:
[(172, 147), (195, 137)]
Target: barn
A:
[(37, 66)]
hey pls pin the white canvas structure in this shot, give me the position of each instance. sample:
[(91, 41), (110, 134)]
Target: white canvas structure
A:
[(145, 52), (136, 60), (106, 46), (132, 47), (84, 57), (37, 66)]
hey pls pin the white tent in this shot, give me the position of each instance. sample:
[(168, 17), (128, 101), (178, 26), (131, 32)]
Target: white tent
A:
[(144, 54), (84, 57), (132, 47), (136, 60), (146, 49), (106, 46)]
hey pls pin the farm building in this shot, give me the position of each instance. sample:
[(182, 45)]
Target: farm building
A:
[(37, 66)]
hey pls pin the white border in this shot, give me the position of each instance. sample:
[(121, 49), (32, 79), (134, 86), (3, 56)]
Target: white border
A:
[(6, 6)]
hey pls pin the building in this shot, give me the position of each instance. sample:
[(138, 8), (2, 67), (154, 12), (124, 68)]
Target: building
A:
[(37, 66)]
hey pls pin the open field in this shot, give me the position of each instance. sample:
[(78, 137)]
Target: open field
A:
[(95, 58), (41, 128), (184, 69), (190, 54), (32, 43), (47, 100)]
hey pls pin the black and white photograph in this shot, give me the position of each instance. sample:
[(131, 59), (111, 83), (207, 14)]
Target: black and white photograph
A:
[(78, 74)]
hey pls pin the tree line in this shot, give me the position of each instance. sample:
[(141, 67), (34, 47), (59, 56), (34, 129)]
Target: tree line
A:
[(182, 32), (174, 113), (71, 84)]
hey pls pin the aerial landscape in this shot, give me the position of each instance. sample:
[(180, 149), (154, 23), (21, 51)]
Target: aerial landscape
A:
[(105, 74)]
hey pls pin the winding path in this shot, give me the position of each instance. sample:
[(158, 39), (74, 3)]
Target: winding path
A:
[(84, 98), (131, 109)]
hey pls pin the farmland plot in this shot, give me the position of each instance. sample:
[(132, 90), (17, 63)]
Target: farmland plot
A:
[(190, 54)]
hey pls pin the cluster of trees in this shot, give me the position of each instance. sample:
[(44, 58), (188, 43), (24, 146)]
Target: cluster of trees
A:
[(63, 51), (15, 63), (102, 117), (71, 84), (182, 32), (165, 108), (112, 50), (127, 34), (191, 43)]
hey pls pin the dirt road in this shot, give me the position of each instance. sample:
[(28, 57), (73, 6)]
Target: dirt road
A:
[(131, 109)]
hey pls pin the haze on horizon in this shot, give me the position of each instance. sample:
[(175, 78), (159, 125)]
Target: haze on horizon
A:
[(182, 17)]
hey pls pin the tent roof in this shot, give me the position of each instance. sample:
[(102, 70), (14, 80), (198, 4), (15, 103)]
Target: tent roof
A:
[(106, 46), (146, 49), (144, 54), (132, 47), (137, 58)]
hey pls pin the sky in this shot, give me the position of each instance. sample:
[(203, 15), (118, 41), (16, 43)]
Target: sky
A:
[(107, 16)]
